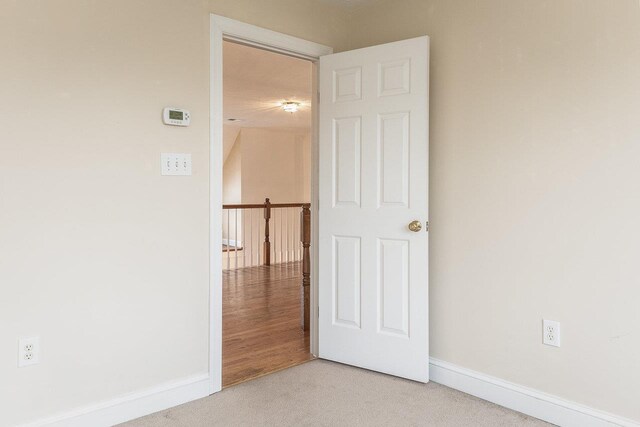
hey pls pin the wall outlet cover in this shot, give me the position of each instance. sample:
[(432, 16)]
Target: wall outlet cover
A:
[(551, 332), (28, 351)]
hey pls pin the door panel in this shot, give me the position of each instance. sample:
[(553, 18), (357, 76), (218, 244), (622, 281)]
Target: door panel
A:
[(347, 160), (346, 281), (393, 283), (373, 271), (393, 152)]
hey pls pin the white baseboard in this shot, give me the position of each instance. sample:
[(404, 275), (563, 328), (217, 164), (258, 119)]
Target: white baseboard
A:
[(518, 398), (131, 406), (528, 401)]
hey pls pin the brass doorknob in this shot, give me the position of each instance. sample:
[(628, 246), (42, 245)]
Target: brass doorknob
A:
[(415, 226)]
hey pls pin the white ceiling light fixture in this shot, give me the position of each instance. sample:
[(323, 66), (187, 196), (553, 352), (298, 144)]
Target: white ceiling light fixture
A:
[(290, 106)]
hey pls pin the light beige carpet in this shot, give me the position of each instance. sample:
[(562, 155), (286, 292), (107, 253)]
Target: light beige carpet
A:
[(322, 393)]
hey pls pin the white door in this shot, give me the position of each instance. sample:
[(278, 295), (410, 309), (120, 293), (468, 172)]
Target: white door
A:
[(373, 270)]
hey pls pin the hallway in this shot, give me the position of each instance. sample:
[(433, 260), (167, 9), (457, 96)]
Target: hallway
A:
[(262, 330)]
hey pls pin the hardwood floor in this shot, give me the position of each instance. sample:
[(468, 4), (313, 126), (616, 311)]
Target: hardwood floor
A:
[(262, 323)]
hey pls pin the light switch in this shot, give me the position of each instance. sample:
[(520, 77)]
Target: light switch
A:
[(175, 163)]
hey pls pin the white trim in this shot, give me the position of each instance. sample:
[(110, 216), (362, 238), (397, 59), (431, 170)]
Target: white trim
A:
[(266, 39), (228, 29), (522, 399), (315, 186), (215, 208), (131, 406)]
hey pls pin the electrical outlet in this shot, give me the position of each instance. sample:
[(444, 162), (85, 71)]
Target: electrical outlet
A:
[(28, 351), (551, 332)]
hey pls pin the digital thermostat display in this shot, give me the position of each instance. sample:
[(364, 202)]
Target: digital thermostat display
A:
[(176, 116)]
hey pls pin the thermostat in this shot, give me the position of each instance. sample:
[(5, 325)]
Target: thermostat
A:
[(176, 116)]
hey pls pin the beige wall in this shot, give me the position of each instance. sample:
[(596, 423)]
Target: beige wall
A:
[(232, 194), (307, 167), (534, 150), (232, 174), (320, 21), (535, 147), (103, 258), (96, 255), (273, 165)]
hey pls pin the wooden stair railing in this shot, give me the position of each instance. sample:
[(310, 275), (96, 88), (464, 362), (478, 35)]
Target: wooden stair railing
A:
[(267, 244), (306, 263), (305, 240)]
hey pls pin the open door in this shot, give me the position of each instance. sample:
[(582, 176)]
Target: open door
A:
[(373, 208)]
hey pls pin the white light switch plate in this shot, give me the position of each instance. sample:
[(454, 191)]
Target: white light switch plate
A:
[(175, 163)]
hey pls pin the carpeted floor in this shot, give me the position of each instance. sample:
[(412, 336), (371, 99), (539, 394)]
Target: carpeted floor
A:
[(321, 393)]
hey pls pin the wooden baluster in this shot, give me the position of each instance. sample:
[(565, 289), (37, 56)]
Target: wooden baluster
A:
[(267, 244), (306, 264)]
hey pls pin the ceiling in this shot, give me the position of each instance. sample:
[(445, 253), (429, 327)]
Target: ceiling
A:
[(256, 82)]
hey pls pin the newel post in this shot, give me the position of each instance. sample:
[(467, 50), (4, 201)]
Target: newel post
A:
[(267, 244), (306, 263)]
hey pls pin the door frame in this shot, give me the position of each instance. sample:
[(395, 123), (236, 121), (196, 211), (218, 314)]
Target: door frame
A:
[(222, 28)]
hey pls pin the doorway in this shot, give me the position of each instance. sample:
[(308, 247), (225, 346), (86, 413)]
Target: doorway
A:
[(225, 29), (267, 126), (369, 185)]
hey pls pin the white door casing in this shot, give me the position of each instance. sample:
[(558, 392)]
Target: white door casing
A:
[(373, 181)]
